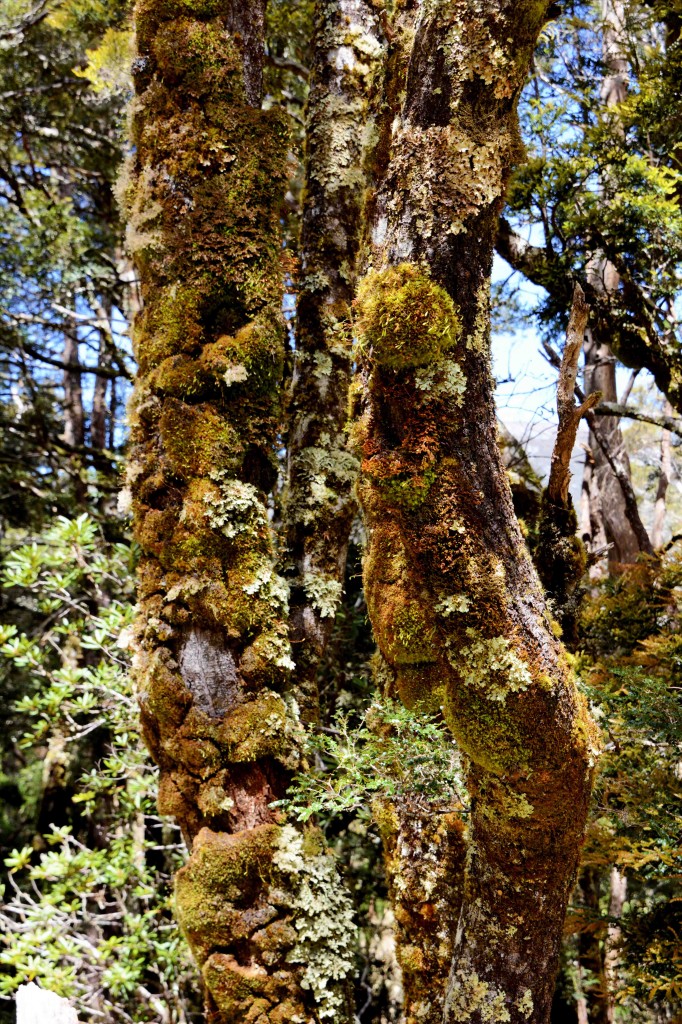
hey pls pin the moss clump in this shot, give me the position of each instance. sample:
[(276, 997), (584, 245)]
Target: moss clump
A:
[(197, 439), (169, 326), (404, 319), (413, 639), (223, 871), (408, 492)]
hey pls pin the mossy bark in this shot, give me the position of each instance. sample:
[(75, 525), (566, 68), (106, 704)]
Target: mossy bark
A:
[(320, 504), (454, 599), (424, 853), (203, 195)]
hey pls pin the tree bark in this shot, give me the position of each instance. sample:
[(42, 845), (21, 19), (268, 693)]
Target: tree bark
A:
[(454, 600), (259, 901), (320, 505), (663, 484)]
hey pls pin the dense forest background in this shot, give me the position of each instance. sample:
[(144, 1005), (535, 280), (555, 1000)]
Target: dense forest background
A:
[(88, 860)]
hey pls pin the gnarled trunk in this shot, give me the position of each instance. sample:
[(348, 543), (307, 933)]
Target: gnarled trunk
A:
[(258, 901), (455, 602)]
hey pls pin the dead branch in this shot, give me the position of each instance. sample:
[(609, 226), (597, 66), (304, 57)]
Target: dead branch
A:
[(570, 414)]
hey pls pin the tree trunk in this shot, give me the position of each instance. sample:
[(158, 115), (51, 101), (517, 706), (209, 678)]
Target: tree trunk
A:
[(74, 416), (320, 505), (258, 901), (608, 512), (663, 484), (455, 602)]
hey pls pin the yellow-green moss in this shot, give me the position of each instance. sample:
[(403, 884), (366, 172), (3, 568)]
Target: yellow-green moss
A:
[(404, 319)]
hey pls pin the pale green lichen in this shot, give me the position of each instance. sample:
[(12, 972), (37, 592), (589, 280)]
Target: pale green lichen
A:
[(324, 593), (442, 380), (324, 468), (478, 340), (490, 664), (238, 509), (454, 603), (269, 586), (470, 996), (323, 366), (324, 918), (525, 1004), (235, 374)]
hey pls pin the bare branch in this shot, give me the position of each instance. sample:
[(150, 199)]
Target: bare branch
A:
[(288, 64), (569, 414), (672, 423)]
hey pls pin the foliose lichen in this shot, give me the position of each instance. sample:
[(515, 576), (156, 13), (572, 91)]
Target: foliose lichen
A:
[(325, 929)]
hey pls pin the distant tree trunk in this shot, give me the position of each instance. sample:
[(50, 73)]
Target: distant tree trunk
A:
[(454, 600), (609, 523), (259, 901), (618, 887), (98, 419), (319, 504), (663, 484), (74, 414)]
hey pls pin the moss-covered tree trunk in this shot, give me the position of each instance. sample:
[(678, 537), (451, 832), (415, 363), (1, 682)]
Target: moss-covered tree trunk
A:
[(258, 901), (320, 504), (454, 599)]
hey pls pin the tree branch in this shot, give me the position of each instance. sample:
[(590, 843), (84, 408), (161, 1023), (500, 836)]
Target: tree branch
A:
[(672, 423), (569, 414)]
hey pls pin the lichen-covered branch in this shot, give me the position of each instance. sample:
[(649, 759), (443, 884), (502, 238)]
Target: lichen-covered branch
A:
[(320, 504), (454, 599), (258, 901)]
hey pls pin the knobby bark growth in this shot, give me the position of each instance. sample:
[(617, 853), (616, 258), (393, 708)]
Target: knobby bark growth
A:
[(259, 901)]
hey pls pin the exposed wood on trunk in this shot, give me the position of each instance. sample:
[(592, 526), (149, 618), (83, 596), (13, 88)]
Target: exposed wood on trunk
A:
[(569, 414), (593, 522), (560, 556)]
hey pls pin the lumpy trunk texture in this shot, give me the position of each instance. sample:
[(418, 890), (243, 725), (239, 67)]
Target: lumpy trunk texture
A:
[(258, 901), (454, 599)]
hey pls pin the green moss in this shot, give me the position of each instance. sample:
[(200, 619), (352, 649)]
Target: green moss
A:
[(413, 638), (404, 319), (263, 727), (409, 492), (202, 54), (170, 325), (223, 870), (197, 439)]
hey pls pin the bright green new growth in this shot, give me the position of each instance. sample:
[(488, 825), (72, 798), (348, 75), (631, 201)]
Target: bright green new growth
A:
[(404, 318), (56, 928)]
